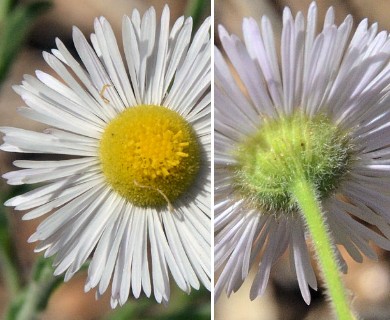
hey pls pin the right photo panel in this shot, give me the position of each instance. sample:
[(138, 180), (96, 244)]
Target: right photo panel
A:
[(302, 160)]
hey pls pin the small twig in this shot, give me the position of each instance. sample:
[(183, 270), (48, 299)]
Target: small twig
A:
[(101, 93)]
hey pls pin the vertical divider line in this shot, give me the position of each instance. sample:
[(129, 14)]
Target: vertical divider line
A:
[(212, 158)]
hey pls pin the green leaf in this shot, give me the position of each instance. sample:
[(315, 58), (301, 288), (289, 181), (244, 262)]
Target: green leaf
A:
[(197, 9), (14, 29)]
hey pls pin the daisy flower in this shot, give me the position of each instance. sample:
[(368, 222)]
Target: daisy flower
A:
[(320, 113), (132, 192)]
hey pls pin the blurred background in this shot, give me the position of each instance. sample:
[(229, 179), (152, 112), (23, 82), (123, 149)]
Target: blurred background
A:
[(369, 282), (36, 26)]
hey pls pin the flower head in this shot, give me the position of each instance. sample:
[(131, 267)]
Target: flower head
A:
[(322, 114), (133, 191)]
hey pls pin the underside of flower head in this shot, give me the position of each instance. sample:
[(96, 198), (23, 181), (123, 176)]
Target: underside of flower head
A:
[(269, 161), (320, 113)]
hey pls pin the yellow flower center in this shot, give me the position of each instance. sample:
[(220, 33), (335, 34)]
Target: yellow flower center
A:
[(150, 155)]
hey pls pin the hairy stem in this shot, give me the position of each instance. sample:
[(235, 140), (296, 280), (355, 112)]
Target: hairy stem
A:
[(305, 196)]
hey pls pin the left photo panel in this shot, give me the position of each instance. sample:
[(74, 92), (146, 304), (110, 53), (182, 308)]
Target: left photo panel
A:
[(105, 157)]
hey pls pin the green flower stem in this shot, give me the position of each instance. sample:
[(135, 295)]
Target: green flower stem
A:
[(34, 298), (305, 195)]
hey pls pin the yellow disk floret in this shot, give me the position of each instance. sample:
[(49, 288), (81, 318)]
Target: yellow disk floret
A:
[(150, 155)]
